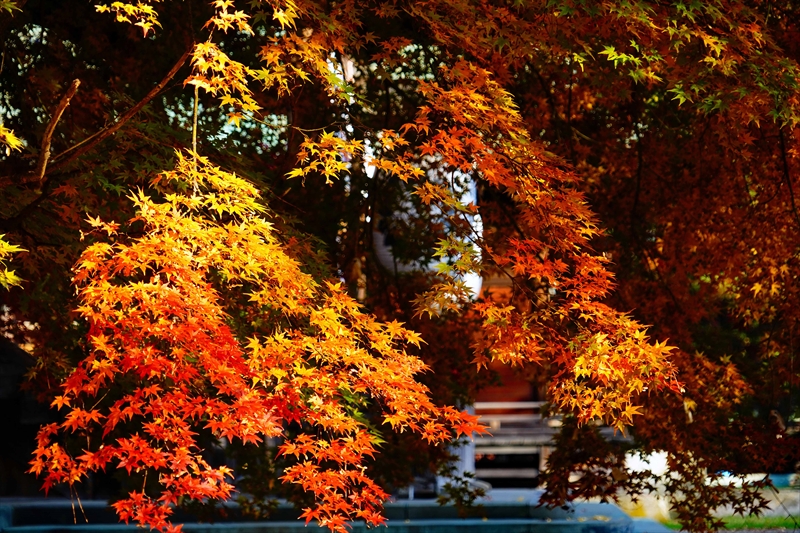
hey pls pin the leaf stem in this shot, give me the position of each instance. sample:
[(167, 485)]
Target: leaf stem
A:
[(194, 139), (194, 127)]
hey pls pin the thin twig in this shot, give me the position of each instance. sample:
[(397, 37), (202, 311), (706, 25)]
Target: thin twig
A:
[(72, 501), (787, 177), (44, 153), (637, 190), (194, 141), (103, 397), (550, 100), (788, 512), (83, 512), (570, 143), (194, 127)]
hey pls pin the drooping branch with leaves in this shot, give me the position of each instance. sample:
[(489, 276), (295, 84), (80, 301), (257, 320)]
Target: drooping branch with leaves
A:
[(164, 364)]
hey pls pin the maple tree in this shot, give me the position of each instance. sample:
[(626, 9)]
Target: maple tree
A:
[(191, 191)]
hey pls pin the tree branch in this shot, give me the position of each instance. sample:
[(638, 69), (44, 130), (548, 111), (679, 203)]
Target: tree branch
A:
[(44, 153), (90, 142), (75, 151), (81, 148), (637, 190), (786, 176)]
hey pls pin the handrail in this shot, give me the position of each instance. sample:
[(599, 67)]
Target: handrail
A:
[(508, 405)]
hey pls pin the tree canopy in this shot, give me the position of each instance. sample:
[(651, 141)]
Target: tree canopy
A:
[(194, 194)]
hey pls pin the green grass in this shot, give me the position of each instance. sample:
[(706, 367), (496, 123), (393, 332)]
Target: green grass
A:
[(752, 522)]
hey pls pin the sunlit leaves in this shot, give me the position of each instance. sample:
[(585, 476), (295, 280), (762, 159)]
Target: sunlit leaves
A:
[(7, 277), (155, 308), (221, 76), (9, 5), (224, 20), (9, 140), (602, 362), (328, 156), (140, 13)]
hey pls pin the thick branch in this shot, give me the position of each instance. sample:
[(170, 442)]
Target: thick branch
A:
[(44, 153), (84, 146), (90, 142), (75, 151)]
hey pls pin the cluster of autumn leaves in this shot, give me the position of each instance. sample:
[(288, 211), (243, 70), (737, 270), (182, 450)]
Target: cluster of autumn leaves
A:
[(7, 277), (202, 321), (161, 346)]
